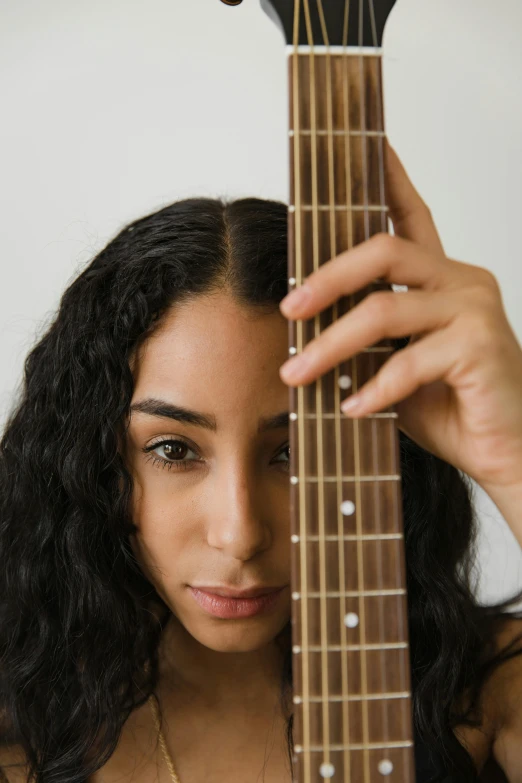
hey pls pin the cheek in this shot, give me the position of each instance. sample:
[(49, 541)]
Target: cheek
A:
[(166, 528)]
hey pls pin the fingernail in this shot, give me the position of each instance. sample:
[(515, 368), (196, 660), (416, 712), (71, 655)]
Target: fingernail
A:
[(296, 298), (293, 368), (351, 404)]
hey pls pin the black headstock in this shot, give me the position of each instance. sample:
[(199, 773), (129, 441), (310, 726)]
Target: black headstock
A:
[(366, 20)]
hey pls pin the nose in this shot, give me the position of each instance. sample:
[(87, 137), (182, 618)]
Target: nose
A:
[(236, 522)]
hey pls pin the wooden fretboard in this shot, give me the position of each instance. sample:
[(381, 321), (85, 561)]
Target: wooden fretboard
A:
[(351, 671)]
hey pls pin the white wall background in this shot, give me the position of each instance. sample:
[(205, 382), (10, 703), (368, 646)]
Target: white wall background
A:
[(114, 108)]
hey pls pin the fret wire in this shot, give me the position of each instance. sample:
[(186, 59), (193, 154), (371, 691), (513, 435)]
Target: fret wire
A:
[(339, 208), (359, 746), (357, 647), (354, 479), (354, 537), (337, 417), (366, 51), (355, 593), (359, 697), (355, 133)]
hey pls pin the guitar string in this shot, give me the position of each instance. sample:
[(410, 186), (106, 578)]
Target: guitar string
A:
[(356, 432), (339, 460), (318, 405), (298, 331), (385, 705), (345, 685), (399, 573)]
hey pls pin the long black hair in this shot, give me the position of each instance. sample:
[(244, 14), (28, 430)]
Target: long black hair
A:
[(78, 641)]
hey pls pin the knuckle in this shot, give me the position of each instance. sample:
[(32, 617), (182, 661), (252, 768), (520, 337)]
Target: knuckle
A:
[(380, 305), (384, 243), (479, 330)]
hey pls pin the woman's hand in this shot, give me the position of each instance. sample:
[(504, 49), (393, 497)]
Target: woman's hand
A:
[(457, 386)]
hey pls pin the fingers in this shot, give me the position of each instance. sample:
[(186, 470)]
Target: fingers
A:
[(410, 215), (391, 258), (381, 314), (426, 362)]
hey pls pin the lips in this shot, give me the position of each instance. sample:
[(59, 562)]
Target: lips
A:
[(226, 592), (229, 608)]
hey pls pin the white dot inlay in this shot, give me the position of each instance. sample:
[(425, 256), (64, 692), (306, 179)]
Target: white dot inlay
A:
[(293, 416), (297, 700), (385, 767), (351, 620), (327, 770), (294, 480), (298, 748), (345, 381), (347, 508), (292, 281), (293, 350), (296, 649), (296, 596), (294, 539)]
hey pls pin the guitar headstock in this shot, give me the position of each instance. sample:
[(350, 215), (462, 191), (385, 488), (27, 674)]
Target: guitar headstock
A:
[(347, 22), (332, 22)]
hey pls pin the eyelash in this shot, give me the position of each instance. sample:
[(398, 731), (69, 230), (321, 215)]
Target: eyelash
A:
[(160, 462)]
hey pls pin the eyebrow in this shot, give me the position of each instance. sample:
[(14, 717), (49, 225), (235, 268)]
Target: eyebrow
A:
[(166, 410)]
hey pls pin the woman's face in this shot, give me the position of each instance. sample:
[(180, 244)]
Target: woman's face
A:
[(211, 497)]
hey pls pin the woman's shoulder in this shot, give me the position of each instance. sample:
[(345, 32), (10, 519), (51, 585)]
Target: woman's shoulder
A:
[(504, 700)]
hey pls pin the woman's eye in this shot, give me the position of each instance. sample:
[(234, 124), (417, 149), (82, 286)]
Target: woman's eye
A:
[(172, 454), (285, 452)]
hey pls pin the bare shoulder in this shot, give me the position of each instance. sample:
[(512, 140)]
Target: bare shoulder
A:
[(13, 768), (503, 701)]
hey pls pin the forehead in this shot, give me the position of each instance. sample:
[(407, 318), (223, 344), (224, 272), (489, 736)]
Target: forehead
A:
[(215, 353)]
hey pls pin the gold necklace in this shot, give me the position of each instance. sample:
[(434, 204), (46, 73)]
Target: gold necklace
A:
[(153, 701)]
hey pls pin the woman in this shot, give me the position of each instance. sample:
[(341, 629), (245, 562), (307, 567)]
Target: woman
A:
[(148, 459)]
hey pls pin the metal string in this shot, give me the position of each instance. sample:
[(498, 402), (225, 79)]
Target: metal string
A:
[(345, 685), (358, 502), (395, 467), (375, 454), (300, 405), (319, 408)]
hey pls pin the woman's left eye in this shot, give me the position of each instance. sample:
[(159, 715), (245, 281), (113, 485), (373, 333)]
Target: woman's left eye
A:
[(282, 453), (171, 454)]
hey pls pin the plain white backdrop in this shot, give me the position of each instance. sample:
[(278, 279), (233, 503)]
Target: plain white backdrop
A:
[(114, 108)]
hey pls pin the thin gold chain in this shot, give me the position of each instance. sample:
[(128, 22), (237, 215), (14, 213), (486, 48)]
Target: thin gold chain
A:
[(166, 755)]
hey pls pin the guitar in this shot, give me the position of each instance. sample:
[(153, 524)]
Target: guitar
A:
[(350, 647)]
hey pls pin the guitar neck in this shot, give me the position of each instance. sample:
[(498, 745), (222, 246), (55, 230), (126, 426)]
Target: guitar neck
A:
[(351, 672)]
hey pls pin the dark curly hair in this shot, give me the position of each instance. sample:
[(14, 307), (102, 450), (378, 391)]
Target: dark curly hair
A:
[(78, 640)]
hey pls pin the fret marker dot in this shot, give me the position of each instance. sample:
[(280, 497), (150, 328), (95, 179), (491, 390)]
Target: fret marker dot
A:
[(347, 508), (345, 381), (298, 748), (351, 620), (296, 596), (292, 281), (327, 770), (294, 539), (297, 700), (385, 767), (292, 351), (296, 649), (293, 417), (293, 480)]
